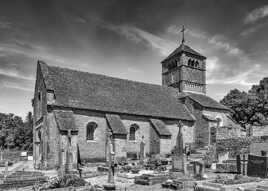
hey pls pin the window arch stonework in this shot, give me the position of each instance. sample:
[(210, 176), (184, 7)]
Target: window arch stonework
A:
[(90, 130), (132, 132)]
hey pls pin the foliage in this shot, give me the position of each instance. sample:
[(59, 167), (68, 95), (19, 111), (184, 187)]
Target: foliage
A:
[(66, 181), (16, 133), (237, 145), (246, 109)]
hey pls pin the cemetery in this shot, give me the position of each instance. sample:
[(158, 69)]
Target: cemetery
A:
[(227, 165)]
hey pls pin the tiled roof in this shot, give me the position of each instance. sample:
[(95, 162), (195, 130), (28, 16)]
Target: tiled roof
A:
[(84, 90), (65, 120), (204, 101), (183, 48), (116, 124), (160, 127)]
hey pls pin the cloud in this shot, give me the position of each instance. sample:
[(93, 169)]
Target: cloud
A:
[(15, 74), (241, 78), (17, 86), (148, 39), (139, 36), (134, 70), (256, 14), (5, 25), (253, 29), (175, 30), (221, 42), (212, 65)]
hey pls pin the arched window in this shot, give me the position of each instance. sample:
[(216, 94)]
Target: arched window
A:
[(189, 62), (196, 64), (91, 127), (132, 131)]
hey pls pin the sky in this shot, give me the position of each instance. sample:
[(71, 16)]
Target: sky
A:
[(128, 39)]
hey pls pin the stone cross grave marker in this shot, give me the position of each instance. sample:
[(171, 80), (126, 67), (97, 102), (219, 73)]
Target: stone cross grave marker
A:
[(142, 149), (179, 159)]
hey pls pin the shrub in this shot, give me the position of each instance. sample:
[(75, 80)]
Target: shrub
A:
[(66, 181)]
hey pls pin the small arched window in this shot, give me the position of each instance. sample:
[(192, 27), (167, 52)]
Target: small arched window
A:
[(132, 132), (196, 64), (91, 127)]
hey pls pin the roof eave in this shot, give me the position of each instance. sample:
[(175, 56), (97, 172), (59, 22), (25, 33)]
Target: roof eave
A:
[(113, 112)]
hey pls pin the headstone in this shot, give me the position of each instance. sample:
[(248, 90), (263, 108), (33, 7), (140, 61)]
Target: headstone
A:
[(257, 166), (178, 158), (68, 165), (142, 149), (23, 154), (1, 155), (199, 169), (6, 169), (238, 164), (111, 163)]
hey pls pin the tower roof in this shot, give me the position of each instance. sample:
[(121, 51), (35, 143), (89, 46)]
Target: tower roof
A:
[(183, 49)]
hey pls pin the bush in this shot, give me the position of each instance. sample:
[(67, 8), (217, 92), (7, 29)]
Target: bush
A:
[(66, 181)]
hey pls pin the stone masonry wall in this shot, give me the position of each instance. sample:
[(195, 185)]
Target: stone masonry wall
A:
[(187, 132), (54, 141), (91, 149), (143, 130)]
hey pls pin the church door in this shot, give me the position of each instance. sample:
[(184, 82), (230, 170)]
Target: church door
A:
[(154, 142)]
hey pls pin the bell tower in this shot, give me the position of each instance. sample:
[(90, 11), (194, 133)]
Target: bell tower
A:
[(185, 69)]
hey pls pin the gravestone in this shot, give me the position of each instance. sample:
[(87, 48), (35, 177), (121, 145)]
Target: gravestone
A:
[(111, 163), (199, 169), (6, 169), (142, 149), (68, 165), (257, 166), (178, 158)]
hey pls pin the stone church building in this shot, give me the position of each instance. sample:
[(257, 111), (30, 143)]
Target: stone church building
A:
[(74, 110)]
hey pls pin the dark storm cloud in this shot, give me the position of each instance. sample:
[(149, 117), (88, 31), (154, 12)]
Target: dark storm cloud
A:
[(128, 39)]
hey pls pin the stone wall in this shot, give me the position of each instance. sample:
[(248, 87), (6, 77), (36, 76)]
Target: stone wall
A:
[(143, 130), (54, 141), (91, 149), (256, 148), (257, 131), (95, 150), (201, 128), (39, 120), (187, 132)]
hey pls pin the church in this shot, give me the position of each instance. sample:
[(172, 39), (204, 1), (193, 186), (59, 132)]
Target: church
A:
[(75, 110)]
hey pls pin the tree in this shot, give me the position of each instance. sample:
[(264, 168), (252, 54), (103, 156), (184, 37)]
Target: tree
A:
[(14, 133), (246, 109), (28, 129)]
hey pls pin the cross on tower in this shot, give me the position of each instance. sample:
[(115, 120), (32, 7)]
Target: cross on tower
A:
[(182, 31)]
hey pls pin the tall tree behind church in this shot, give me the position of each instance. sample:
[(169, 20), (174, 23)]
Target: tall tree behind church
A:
[(14, 133)]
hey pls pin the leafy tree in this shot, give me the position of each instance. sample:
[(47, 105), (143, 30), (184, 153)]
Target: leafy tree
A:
[(14, 133), (246, 109)]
